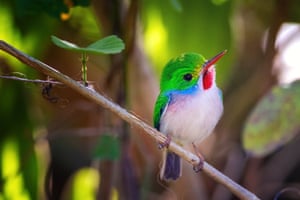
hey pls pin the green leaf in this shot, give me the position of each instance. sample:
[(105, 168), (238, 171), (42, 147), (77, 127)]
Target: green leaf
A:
[(107, 148), (274, 121), (108, 45), (65, 44)]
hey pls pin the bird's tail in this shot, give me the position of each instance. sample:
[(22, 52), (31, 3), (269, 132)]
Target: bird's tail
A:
[(171, 168)]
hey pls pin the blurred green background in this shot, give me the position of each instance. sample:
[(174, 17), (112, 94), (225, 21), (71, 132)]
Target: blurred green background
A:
[(55, 144)]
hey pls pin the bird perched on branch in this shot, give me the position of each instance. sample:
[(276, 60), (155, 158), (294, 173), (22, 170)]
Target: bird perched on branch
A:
[(188, 107)]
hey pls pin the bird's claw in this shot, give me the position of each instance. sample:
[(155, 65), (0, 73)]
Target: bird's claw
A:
[(199, 166), (164, 144)]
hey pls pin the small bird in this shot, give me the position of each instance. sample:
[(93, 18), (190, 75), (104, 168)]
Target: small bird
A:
[(188, 107)]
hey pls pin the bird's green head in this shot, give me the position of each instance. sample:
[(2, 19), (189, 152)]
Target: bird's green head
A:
[(188, 70)]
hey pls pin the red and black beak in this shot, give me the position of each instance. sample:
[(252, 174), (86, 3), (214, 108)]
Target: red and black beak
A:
[(212, 61)]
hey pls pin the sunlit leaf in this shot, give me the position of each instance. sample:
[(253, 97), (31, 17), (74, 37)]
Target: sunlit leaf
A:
[(85, 184), (108, 45), (274, 121), (108, 148)]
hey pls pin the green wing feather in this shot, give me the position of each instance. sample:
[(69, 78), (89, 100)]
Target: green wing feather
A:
[(160, 106)]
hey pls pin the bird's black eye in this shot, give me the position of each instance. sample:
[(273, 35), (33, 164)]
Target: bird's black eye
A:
[(188, 77)]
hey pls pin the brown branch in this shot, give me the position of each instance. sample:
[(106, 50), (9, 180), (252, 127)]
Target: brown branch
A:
[(91, 94)]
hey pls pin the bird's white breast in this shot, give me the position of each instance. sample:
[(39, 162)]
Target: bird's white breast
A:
[(192, 117)]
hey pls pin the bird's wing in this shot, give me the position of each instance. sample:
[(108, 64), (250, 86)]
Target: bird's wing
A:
[(159, 109)]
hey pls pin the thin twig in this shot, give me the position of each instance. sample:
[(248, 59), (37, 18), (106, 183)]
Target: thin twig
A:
[(16, 78), (91, 94)]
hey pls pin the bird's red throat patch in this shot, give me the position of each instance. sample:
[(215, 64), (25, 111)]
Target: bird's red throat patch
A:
[(207, 80)]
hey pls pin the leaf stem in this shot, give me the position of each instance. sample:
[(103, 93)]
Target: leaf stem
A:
[(84, 68)]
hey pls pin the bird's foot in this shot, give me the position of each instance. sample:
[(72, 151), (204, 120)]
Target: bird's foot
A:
[(166, 143), (199, 166)]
